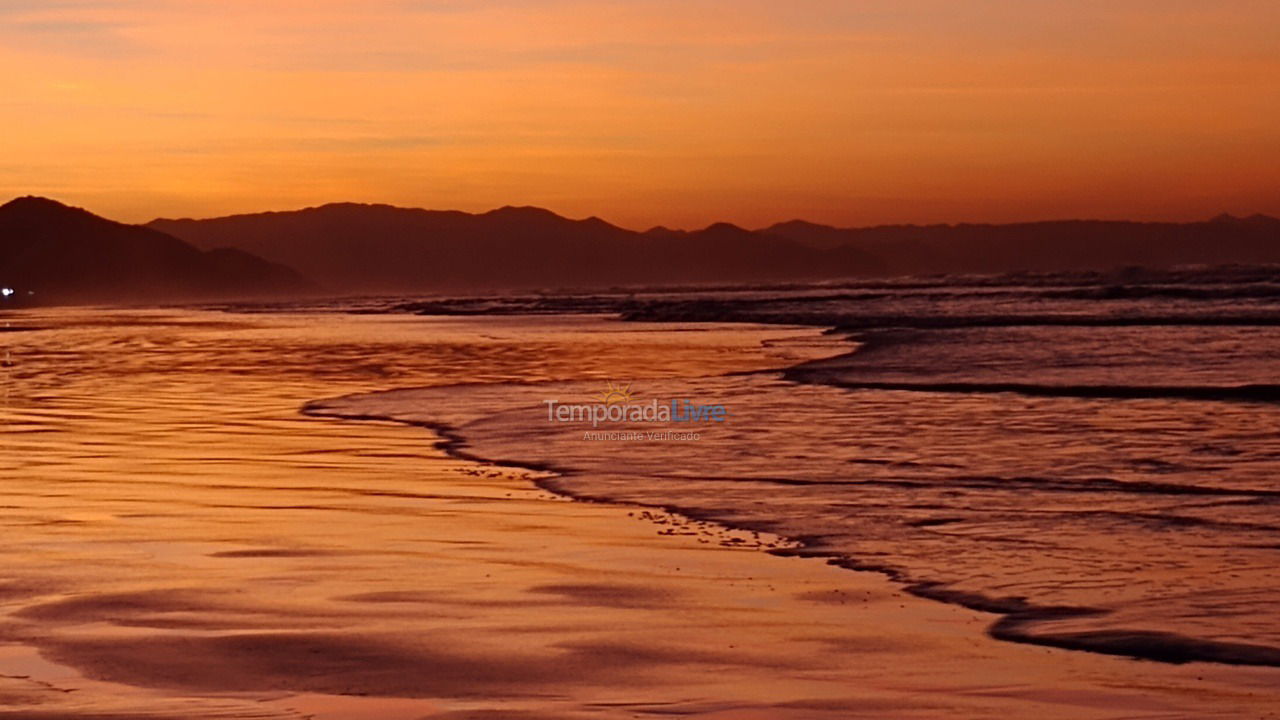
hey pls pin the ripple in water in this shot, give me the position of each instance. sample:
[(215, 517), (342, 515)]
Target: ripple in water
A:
[(1098, 467)]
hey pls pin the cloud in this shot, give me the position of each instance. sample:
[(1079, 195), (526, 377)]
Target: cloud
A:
[(15, 7), (812, 100), (65, 27)]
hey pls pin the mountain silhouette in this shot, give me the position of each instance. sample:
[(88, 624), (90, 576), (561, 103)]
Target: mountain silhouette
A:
[(380, 247), (383, 248), (55, 253), (1046, 246), (68, 254)]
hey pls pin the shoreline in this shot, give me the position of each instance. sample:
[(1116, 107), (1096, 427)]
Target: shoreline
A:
[(721, 632), (1012, 616), (910, 602), (267, 560)]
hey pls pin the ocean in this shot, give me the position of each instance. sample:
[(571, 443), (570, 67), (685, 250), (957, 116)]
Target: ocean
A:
[(275, 511), (1093, 457)]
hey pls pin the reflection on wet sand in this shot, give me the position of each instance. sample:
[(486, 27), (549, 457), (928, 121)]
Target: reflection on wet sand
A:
[(181, 543)]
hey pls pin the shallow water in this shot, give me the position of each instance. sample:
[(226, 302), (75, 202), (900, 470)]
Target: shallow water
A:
[(1012, 503), (1095, 460), (181, 542)]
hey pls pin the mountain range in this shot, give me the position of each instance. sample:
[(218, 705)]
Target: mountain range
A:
[(54, 253), (69, 254), (380, 247), (1050, 246), (384, 248)]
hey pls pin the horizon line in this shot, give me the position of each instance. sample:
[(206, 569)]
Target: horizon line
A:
[(1222, 216)]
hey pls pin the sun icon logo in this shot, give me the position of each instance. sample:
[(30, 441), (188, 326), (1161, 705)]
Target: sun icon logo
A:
[(616, 393)]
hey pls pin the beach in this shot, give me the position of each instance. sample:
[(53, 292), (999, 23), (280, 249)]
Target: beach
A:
[(622, 360), (183, 542)]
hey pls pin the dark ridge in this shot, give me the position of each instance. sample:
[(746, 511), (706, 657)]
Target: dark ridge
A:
[(379, 248), (725, 228), (362, 248), (50, 252), (1050, 245)]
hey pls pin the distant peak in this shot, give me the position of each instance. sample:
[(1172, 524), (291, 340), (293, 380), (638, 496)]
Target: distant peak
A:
[(523, 211), (723, 227), (1229, 219), (359, 207), (347, 204), (31, 208), (34, 202), (796, 223)]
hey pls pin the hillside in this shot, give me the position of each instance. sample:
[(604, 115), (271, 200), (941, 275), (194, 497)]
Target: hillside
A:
[(51, 252), (379, 247), (1060, 245), (349, 246)]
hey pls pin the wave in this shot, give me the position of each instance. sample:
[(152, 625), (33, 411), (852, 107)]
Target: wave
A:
[(1179, 292), (488, 424), (1019, 623), (851, 317), (1019, 488), (1238, 393)]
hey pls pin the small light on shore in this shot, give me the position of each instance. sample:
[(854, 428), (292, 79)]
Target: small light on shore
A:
[(6, 292)]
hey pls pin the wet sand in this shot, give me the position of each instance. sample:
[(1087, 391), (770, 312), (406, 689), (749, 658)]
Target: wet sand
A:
[(182, 543)]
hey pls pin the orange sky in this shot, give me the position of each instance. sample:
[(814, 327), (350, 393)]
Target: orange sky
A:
[(645, 112)]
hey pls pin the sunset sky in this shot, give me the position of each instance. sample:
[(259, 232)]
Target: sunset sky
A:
[(645, 112)]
